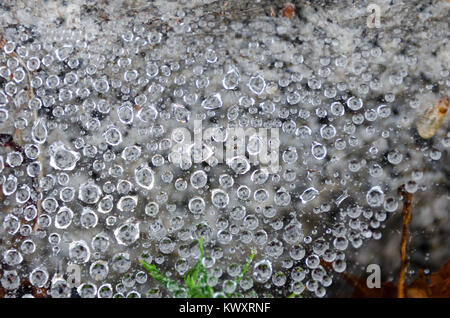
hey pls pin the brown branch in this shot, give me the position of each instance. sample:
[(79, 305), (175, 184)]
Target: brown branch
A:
[(406, 213)]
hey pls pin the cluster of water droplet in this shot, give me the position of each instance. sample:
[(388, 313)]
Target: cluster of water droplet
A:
[(88, 179)]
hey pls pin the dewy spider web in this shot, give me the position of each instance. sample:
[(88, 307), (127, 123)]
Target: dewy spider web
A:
[(101, 169)]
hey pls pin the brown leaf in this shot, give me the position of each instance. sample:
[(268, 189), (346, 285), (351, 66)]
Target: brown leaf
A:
[(288, 11), (440, 282), (437, 285)]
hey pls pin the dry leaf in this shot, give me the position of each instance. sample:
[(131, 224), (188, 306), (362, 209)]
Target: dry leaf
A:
[(436, 285)]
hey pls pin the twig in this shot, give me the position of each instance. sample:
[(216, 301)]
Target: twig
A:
[(223, 7), (272, 12), (406, 213)]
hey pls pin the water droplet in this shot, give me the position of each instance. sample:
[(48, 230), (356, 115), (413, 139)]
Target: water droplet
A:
[(375, 197), (62, 158), (212, 102), (354, 103), (39, 131), (127, 233), (308, 195), (231, 80), (79, 252), (257, 84), (262, 271), (144, 177), (89, 192), (318, 150)]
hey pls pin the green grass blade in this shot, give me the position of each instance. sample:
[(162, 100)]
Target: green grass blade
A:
[(202, 251), (157, 275), (196, 277), (246, 266)]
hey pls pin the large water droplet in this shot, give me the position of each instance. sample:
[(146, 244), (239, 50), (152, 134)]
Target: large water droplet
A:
[(375, 197), (113, 136), (308, 195), (212, 102), (354, 103), (39, 131), (89, 192), (63, 218), (61, 158), (231, 80), (262, 271), (127, 233), (144, 177), (219, 198), (257, 84), (64, 52), (318, 150), (79, 252)]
